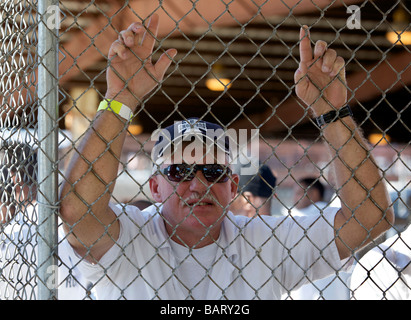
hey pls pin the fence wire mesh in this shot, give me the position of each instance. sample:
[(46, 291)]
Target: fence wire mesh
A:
[(249, 51)]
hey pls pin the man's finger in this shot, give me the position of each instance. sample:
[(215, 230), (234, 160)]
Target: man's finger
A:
[(117, 48), (132, 35), (150, 35), (164, 62), (306, 54), (298, 75), (328, 60), (127, 37), (339, 68), (319, 49)]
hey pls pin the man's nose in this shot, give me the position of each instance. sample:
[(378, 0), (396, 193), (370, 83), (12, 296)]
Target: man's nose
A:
[(199, 182)]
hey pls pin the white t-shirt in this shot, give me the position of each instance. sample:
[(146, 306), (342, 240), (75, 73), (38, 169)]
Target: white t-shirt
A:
[(18, 262), (385, 271), (254, 259), (312, 209), (192, 267), (335, 287)]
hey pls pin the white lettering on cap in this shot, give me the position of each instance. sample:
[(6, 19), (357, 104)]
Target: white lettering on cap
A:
[(191, 124)]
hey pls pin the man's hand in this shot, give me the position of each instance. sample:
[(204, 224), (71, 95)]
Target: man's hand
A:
[(131, 74), (320, 79)]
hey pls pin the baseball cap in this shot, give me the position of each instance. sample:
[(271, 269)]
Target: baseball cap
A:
[(261, 184), (191, 130)]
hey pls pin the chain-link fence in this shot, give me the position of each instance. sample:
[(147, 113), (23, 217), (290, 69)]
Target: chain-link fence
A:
[(235, 67)]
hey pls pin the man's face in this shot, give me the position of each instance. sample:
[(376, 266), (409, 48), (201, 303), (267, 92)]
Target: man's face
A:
[(245, 204), (194, 207)]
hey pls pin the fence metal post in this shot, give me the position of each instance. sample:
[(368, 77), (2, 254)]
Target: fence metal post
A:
[(47, 155)]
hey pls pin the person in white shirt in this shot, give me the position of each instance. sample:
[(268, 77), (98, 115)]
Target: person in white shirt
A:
[(18, 262), (384, 273), (152, 254), (309, 201), (18, 233)]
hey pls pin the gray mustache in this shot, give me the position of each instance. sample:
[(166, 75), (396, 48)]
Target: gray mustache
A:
[(196, 196)]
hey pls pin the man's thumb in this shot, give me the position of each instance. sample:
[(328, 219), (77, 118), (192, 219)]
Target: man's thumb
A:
[(299, 76)]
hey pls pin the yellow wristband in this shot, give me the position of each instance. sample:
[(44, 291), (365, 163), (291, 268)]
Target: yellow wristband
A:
[(117, 107)]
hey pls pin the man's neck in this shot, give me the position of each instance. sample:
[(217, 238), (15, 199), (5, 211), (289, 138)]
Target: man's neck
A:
[(191, 239)]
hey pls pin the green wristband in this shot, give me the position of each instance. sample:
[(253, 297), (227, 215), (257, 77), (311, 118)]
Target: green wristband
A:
[(117, 107)]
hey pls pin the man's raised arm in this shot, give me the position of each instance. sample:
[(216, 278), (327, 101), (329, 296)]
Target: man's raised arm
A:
[(366, 212), (89, 181)]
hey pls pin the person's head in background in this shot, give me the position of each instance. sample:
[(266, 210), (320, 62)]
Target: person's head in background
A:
[(255, 193), (308, 191), (141, 203), (18, 178)]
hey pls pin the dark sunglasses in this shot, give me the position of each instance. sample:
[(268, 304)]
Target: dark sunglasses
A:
[(212, 172)]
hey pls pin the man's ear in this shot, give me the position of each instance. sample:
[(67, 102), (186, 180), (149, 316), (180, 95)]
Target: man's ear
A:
[(155, 189), (235, 180)]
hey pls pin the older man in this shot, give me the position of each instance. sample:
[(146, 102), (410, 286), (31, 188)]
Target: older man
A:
[(189, 245)]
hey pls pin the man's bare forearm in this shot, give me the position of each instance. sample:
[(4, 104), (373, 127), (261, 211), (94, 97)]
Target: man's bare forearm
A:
[(365, 212), (89, 181)]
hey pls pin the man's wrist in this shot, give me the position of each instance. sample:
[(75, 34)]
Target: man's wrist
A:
[(333, 115), (125, 99), (322, 107), (116, 107)]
